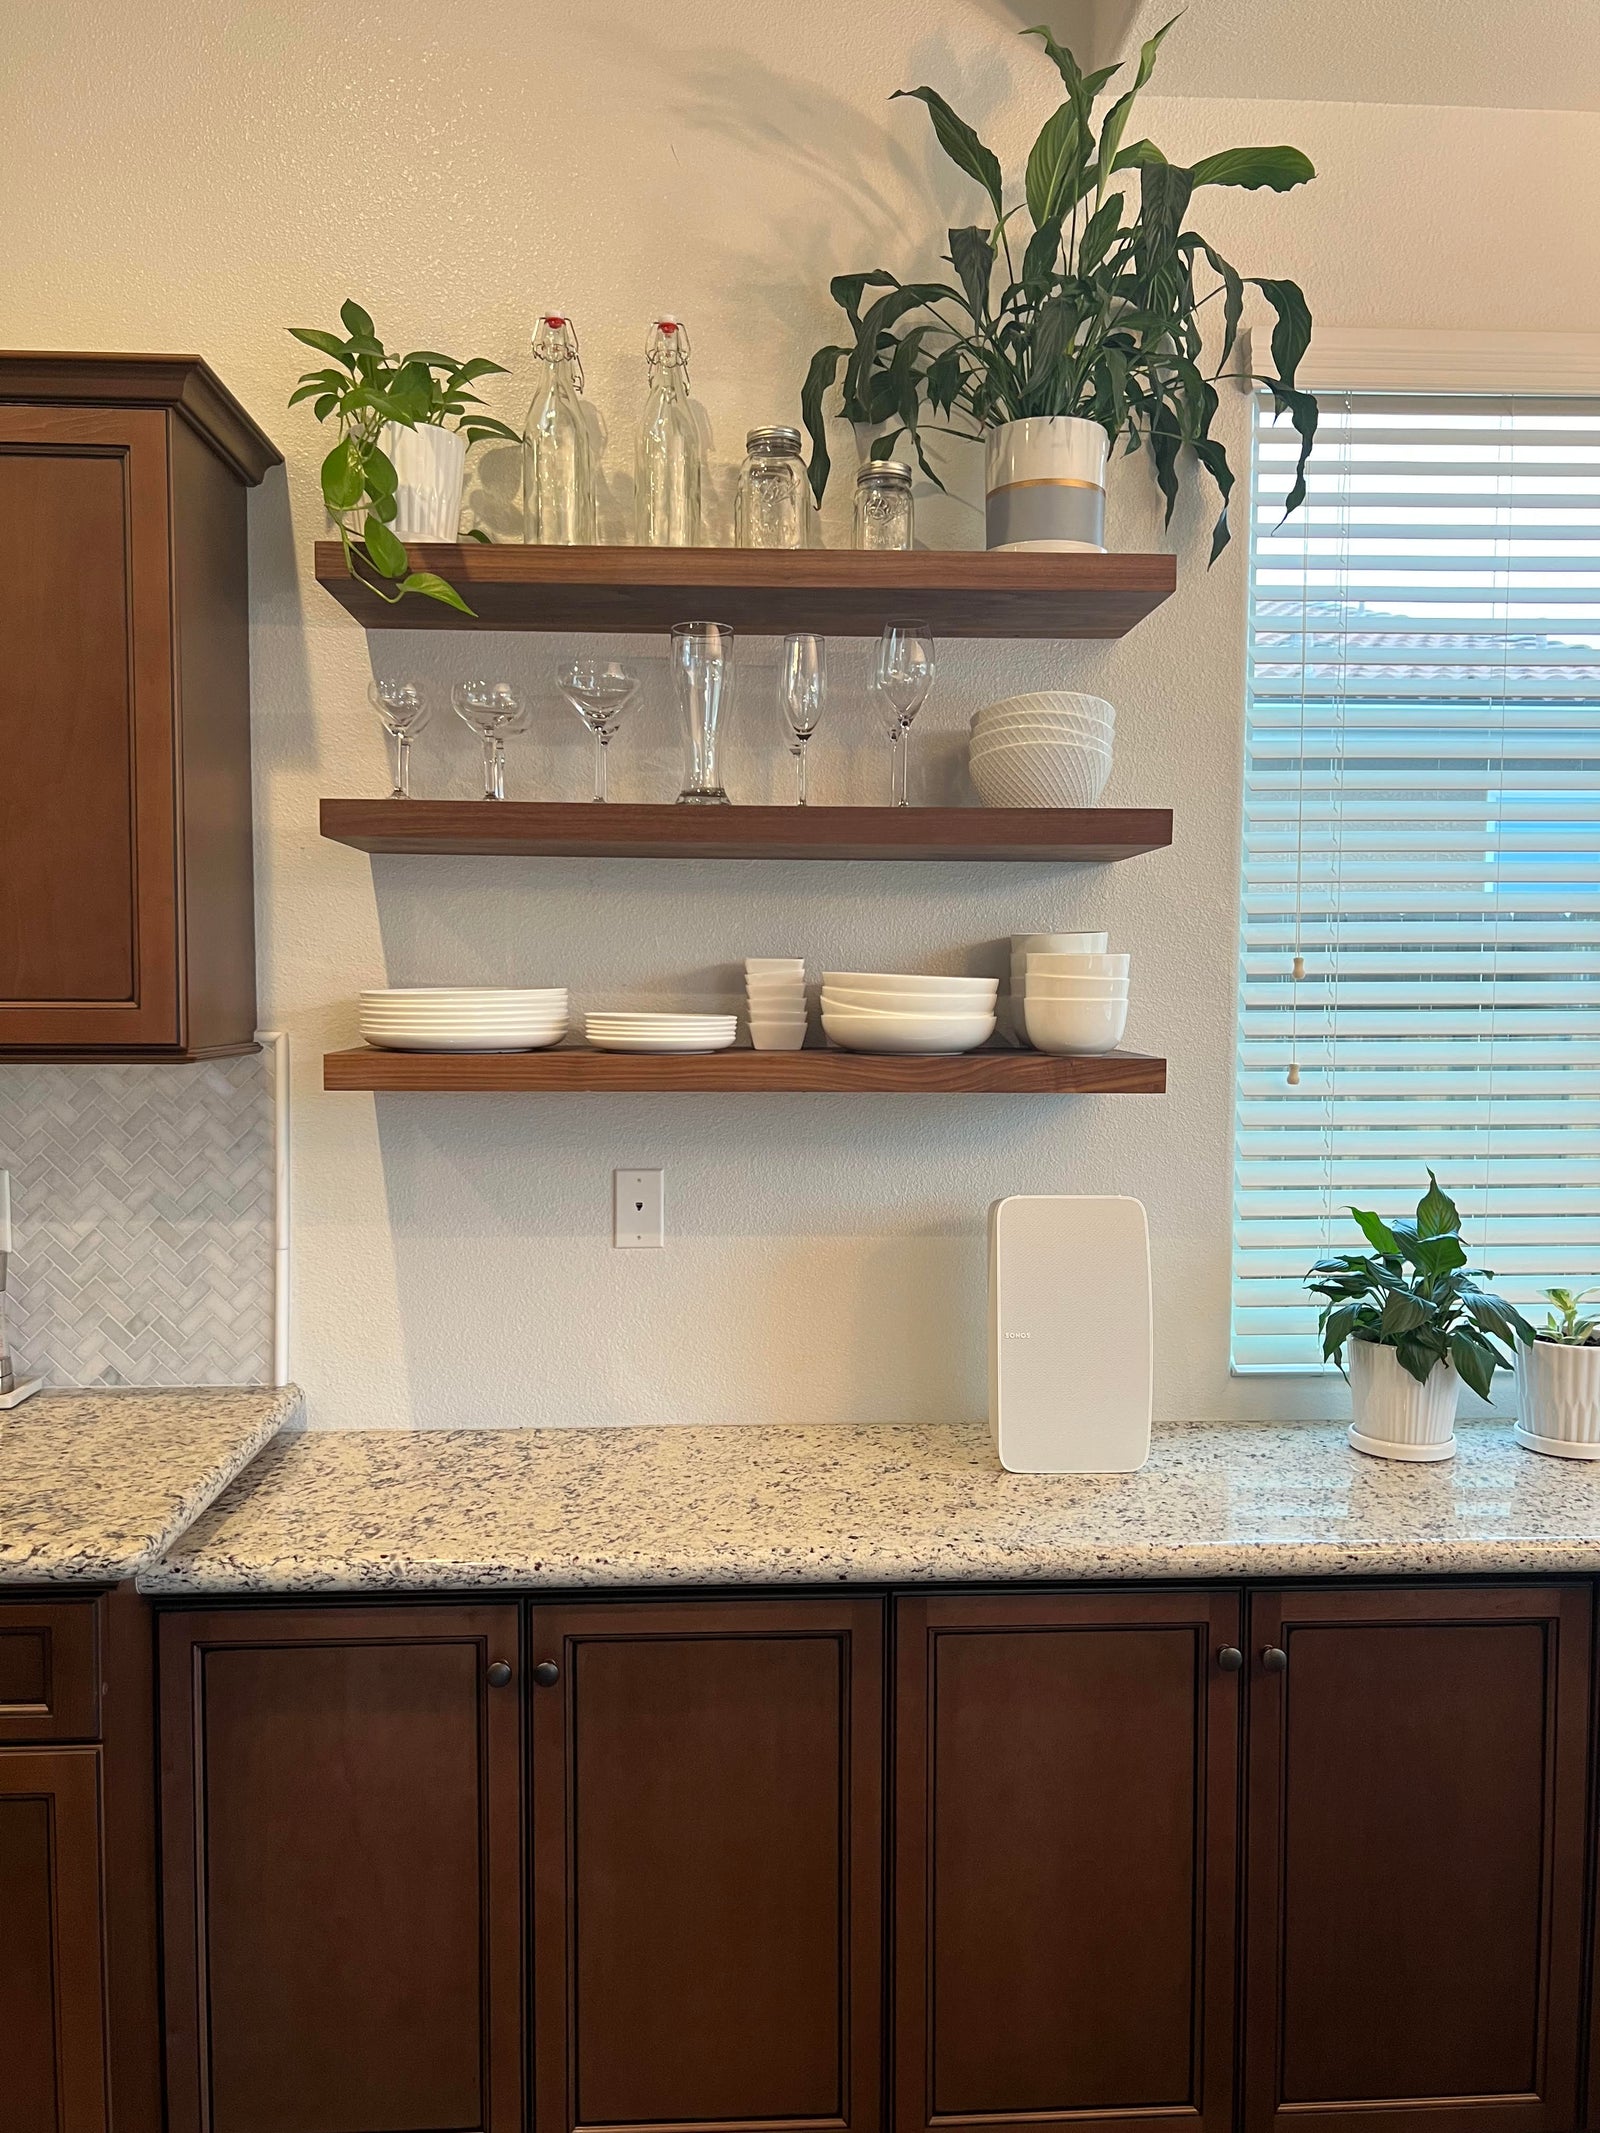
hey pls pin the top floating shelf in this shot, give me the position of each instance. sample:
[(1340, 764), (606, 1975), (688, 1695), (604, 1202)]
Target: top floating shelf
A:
[(837, 592)]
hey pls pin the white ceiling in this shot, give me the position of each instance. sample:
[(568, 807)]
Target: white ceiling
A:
[(1510, 54)]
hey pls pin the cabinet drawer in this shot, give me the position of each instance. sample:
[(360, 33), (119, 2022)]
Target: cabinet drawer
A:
[(49, 1670)]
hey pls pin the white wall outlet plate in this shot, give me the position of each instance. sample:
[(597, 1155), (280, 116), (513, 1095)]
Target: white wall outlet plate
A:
[(638, 1216)]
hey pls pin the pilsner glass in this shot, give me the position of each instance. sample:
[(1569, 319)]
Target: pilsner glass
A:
[(702, 675)]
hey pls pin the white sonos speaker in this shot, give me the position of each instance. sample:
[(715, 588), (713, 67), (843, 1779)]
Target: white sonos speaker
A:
[(1069, 1334)]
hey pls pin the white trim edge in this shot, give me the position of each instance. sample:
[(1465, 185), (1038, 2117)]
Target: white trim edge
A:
[(275, 1042), (1425, 359)]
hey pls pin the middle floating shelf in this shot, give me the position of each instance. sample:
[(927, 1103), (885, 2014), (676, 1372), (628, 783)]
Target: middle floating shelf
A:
[(570, 829)]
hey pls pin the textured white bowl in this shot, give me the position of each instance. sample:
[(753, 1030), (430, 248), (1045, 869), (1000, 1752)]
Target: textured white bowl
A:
[(1070, 963), (1075, 1025), (1050, 700), (902, 981), (1041, 777), (860, 1032), (1020, 746), (1040, 729)]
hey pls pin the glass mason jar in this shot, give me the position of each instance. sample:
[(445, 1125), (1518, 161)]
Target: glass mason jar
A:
[(883, 517), (774, 503)]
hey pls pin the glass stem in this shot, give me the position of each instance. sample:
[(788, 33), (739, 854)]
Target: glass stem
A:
[(800, 759), (600, 766), (905, 766), (897, 764), (491, 768), (402, 766)]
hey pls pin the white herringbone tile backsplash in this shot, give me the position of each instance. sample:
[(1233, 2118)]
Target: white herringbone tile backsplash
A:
[(142, 1208)]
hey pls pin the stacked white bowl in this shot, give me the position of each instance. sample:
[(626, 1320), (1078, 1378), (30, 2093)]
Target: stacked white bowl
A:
[(1075, 1002), (1025, 944), (888, 1011), (464, 1018), (1051, 748), (640, 1032), (775, 990)]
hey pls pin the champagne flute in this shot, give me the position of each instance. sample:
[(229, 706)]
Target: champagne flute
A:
[(802, 692), (600, 691), (492, 709), (403, 712), (902, 679)]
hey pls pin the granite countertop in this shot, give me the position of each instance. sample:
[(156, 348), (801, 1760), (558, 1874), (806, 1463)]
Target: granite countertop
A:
[(95, 1485), (369, 1511)]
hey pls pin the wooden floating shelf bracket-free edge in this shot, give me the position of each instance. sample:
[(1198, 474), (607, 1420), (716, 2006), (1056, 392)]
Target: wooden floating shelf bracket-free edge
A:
[(838, 592), (574, 1068)]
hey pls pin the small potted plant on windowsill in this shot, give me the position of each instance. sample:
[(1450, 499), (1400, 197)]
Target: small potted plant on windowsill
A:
[(1416, 1322), (1558, 1380), (396, 473)]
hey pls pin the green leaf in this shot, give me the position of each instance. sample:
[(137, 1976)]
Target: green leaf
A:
[(846, 291), (476, 533), (1164, 190), (387, 553), (1496, 1316), (1281, 169), (1140, 155), (819, 378), (357, 323), (1378, 1234), (1403, 1313), (479, 367), (1437, 1255), (433, 587), (1436, 1213), (480, 426), (1054, 177), (328, 343), (382, 479), (1302, 411), (325, 406), (1337, 1322), (1117, 117), (306, 392), (1420, 1354), (343, 481), (972, 256), (1098, 231), (1476, 1361), (960, 143)]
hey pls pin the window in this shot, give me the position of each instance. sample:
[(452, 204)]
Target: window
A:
[(1422, 814)]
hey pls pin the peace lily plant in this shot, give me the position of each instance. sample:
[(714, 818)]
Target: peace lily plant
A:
[(1053, 341)]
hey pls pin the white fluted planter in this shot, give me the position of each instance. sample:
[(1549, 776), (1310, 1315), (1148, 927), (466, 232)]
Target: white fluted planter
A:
[(1395, 1417), (432, 465), (1558, 1400), (1046, 484)]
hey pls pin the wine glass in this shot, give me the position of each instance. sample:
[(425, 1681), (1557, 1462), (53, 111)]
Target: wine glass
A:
[(403, 712), (492, 709), (802, 692), (902, 678), (600, 691)]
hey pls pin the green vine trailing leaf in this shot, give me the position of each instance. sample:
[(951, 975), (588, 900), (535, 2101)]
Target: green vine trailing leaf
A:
[(1104, 318), (362, 388)]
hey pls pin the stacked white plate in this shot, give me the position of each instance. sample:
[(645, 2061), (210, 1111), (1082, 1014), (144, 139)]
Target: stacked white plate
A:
[(464, 1018), (660, 1033), (1050, 748), (1075, 1002), (888, 1011), (1025, 944), (775, 989)]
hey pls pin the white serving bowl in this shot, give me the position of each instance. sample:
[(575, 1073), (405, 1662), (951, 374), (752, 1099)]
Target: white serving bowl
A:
[(1080, 988), (1075, 1025), (859, 1032), (1041, 777), (1049, 963), (868, 1015), (903, 982), (1050, 700), (1057, 944), (915, 1003), (777, 1040)]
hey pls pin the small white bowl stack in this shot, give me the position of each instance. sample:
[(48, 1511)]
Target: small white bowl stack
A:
[(464, 1018), (775, 992), (887, 1011), (638, 1032), (1075, 1002), (1051, 748)]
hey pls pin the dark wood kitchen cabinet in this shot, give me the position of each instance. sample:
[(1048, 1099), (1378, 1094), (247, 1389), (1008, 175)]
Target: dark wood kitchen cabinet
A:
[(52, 1982), (707, 1863), (1415, 1858), (343, 1916), (1066, 1811), (127, 924)]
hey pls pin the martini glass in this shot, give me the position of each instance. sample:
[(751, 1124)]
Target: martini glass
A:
[(601, 691), (403, 712), (492, 709)]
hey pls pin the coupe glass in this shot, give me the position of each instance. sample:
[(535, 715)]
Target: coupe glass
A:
[(802, 692), (403, 712), (902, 678), (492, 709), (702, 675), (600, 691)]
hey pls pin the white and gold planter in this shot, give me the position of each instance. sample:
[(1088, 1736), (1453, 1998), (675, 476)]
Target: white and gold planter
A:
[(1046, 481)]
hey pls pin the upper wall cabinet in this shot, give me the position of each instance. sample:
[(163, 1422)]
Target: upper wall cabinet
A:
[(127, 923)]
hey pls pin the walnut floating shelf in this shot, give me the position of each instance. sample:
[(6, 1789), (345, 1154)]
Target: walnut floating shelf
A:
[(994, 1073), (838, 592), (580, 830)]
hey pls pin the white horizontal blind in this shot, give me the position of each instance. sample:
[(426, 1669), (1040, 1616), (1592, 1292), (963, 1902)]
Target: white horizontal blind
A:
[(1422, 779)]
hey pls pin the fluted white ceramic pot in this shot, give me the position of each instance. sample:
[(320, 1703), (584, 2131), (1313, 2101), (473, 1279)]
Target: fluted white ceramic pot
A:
[(1558, 1399), (1394, 1416), (1046, 483), (432, 465)]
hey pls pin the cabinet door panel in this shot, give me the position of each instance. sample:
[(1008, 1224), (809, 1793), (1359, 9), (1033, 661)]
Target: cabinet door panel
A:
[(88, 868), (1066, 1812), (1416, 1845), (342, 1859), (52, 1994), (49, 1670), (707, 1786)]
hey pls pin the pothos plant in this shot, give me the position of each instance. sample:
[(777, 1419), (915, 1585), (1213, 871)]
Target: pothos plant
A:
[(1099, 317), (361, 388), (1415, 1293), (1567, 1324)]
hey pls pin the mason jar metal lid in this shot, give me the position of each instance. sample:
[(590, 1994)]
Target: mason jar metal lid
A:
[(775, 436), (885, 469)]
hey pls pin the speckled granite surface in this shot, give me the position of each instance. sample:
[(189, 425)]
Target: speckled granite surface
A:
[(378, 1511), (94, 1485)]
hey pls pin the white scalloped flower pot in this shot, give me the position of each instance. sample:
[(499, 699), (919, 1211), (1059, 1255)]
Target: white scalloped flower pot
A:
[(1558, 1400), (1395, 1417), (1046, 484), (432, 465)]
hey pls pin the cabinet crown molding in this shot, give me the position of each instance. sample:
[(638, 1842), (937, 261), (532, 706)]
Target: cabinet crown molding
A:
[(185, 383)]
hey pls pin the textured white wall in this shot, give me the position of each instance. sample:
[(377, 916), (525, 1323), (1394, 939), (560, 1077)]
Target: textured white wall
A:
[(197, 175)]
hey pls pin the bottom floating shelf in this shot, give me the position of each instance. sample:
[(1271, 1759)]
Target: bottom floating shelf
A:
[(574, 1067)]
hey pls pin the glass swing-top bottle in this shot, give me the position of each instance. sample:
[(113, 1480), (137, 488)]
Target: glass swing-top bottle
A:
[(669, 468), (558, 502)]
